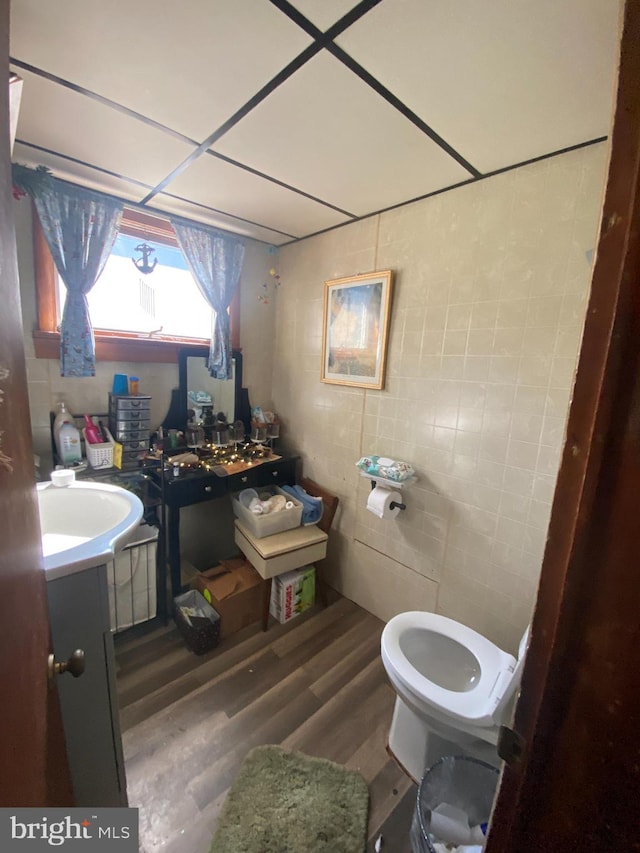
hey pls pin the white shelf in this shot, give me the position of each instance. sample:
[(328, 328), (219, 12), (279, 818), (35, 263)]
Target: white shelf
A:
[(391, 484)]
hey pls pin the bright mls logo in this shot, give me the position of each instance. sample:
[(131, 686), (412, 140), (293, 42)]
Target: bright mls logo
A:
[(70, 829)]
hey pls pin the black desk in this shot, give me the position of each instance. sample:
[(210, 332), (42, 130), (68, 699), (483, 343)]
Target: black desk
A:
[(193, 487)]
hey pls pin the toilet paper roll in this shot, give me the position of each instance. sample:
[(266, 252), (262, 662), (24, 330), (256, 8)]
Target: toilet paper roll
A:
[(380, 500)]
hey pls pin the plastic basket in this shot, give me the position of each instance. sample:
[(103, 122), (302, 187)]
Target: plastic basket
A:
[(99, 455), (272, 523)]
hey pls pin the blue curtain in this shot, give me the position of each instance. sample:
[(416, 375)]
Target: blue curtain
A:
[(80, 227), (215, 261)]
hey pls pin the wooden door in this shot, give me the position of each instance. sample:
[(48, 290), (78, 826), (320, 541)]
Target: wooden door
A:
[(32, 756), (577, 782)]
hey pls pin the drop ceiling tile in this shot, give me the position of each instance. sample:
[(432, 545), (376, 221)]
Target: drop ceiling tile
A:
[(77, 174), (66, 122), (324, 14), (501, 82), (215, 183), (188, 65), (326, 132), (167, 204)]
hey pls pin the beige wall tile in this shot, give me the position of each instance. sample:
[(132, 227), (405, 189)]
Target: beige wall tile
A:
[(485, 330)]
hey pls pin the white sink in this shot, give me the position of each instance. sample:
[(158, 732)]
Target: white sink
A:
[(84, 524)]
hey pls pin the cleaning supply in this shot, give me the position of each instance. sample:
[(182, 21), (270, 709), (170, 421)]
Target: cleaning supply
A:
[(70, 449), (91, 431), (63, 416)]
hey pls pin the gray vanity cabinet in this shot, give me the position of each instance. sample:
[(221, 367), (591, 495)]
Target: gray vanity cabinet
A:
[(79, 614)]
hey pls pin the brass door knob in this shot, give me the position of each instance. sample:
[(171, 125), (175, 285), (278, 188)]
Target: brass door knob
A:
[(75, 665)]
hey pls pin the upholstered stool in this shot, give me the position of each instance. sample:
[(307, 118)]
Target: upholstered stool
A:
[(282, 552)]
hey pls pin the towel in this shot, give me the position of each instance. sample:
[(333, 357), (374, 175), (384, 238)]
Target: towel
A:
[(312, 508)]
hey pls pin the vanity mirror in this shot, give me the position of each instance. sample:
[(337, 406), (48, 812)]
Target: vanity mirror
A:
[(196, 386)]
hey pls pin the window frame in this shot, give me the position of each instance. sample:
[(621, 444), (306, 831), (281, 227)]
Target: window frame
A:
[(113, 346)]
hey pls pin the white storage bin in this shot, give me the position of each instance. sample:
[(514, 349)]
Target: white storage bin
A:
[(273, 522), (99, 455)]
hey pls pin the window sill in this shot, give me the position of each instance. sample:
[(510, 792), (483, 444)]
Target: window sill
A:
[(117, 348)]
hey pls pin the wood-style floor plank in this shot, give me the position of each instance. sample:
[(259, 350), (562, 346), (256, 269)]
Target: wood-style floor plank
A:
[(316, 684)]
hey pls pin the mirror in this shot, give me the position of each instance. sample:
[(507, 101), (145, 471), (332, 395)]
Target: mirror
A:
[(203, 390), (193, 376)]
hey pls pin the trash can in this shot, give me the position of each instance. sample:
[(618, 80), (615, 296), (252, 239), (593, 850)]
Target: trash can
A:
[(197, 621), (453, 805)]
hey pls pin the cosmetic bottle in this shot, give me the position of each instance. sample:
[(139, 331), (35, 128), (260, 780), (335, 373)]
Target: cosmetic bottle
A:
[(91, 431), (70, 450), (63, 416)]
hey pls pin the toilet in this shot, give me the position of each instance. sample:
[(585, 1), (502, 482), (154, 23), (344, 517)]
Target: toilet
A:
[(454, 689)]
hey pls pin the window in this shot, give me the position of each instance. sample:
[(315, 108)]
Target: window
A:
[(135, 317)]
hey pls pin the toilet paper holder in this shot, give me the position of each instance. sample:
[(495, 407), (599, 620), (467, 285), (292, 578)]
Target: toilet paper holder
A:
[(396, 485), (393, 504)]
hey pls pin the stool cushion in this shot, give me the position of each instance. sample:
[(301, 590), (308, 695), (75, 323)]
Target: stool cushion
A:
[(291, 549)]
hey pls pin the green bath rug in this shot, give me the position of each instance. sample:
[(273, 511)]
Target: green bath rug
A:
[(287, 802)]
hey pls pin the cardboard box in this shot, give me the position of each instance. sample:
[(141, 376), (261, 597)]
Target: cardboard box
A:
[(234, 590), (292, 593)]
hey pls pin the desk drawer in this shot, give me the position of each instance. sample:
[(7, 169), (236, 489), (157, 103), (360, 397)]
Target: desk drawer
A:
[(133, 416), (120, 405), (244, 480), (138, 428), (190, 489), (281, 472), (128, 434), (184, 492)]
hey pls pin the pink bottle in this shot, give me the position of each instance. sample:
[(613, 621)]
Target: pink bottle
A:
[(91, 431)]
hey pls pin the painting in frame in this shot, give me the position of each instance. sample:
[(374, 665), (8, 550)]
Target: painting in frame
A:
[(356, 328)]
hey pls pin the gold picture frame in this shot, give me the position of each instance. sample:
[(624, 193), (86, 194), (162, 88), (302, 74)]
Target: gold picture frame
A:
[(355, 329)]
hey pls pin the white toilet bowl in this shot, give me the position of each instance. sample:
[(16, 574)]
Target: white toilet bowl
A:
[(454, 687)]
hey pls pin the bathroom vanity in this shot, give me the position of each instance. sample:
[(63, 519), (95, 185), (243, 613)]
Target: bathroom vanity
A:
[(79, 615)]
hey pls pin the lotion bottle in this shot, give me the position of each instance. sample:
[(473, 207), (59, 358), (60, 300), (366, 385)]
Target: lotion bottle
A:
[(63, 416), (70, 449)]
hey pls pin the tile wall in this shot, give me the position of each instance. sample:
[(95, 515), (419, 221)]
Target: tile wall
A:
[(491, 282)]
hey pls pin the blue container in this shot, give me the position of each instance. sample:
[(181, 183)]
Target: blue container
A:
[(120, 384)]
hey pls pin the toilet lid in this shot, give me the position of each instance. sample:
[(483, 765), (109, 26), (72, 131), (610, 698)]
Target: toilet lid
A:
[(477, 704)]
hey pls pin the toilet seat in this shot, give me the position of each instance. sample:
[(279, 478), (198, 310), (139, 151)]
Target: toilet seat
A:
[(475, 706)]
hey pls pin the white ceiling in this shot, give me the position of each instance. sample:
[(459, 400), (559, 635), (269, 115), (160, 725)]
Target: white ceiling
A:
[(277, 119)]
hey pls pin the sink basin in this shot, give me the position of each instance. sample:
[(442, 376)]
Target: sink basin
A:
[(84, 524)]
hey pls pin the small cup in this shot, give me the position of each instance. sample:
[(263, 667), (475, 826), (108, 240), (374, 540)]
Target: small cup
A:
[(120, 384), (258, 431)]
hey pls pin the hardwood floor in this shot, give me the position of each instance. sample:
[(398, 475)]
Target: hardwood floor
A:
[(316, 685)]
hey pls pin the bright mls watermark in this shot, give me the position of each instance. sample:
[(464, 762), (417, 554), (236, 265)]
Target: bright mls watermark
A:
[(69, 829)]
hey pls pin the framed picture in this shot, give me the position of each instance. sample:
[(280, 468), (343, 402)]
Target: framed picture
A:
[(355, 329)]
